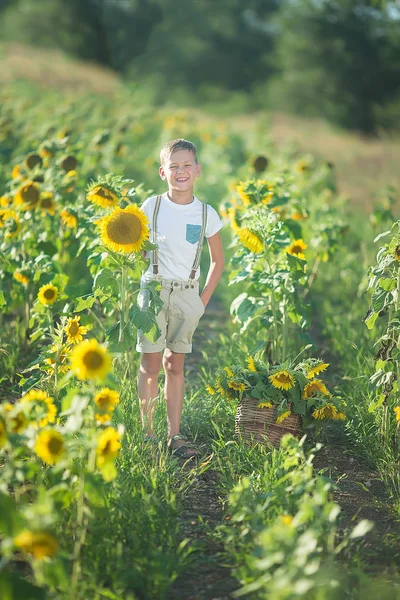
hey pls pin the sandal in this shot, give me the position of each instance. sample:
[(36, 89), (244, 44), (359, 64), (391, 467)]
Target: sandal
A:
[(187, 450)]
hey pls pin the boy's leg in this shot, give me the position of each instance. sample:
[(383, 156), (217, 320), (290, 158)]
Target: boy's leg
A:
[(150, 366), (174, 390)]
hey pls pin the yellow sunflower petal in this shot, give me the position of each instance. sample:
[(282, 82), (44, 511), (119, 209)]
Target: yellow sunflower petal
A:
[(124, 230), (89, 360)]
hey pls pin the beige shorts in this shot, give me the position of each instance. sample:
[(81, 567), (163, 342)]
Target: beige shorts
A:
[(178, 318)]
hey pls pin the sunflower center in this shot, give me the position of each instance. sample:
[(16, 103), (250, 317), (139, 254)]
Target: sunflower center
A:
[(55, 445), (73, 329), (69, 163), (30, 195), (93, 360), (103, 401), (104, 193), (46, 203), (33, 160), (297, 250), (283, 378), (107, 448), (124, 228), (49, 294)]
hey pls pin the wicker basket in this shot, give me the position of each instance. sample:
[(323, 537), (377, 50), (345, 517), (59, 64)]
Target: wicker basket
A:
[(259, 424)]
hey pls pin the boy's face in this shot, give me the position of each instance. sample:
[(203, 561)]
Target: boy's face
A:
[(180, 171)]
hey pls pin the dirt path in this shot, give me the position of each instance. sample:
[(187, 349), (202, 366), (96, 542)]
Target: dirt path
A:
[(208, 578), (360, 493)]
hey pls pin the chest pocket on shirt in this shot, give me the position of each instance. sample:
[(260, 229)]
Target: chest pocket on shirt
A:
[(193, 233)]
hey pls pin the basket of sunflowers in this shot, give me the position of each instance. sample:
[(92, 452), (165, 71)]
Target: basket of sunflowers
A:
[(274, 400)]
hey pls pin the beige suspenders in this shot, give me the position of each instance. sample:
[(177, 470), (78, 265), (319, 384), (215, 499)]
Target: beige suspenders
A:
[(196, 262)]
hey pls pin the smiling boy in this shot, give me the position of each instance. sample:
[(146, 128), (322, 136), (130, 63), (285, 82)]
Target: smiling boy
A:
[(179, 221)]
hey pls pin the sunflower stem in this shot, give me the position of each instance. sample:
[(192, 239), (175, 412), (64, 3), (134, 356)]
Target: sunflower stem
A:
[(274, 314), (123, 287), (81, 527)]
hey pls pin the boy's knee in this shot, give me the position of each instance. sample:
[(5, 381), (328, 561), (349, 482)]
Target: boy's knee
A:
[(173, 363), (150, 364)]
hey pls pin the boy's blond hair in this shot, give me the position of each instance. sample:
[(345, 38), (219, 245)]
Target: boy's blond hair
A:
[(179, 144)]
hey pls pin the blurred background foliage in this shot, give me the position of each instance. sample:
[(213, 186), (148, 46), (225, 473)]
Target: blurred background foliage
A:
[(338, 59)]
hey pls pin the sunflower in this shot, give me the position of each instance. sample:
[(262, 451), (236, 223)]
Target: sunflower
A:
[(250, 240), (21, 278), (63, 133), (39, 544), (316, 385), (9, 220), (47, 294), (286, 519), (312, 371), (47, 203), (264, 405), (69, 218), (397, 253), (3, 433), (296, 248), (74, 330), (28, 195), (251, 364), (282, 379), (235, 385), (396, 411), (260, 163), (46, 152), (49, 446), (90, 360), (17, 421), (298, 216), (102, 196), (231, 213), (124, 230), (108, 446), (62, 361), (42, 407), (283, 416), (245, 198), (106, 400), (329, 411), (339, 416), (210, 390), (302, 166), (266, 199), (32, 160), (5, 201), (16, 171), (69, 163), (219, 387), (229, 372), (102, 418)]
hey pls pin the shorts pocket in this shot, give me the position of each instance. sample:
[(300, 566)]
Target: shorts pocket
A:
[(201, 305)]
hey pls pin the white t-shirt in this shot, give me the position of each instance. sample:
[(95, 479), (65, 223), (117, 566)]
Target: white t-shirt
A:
[(178, 232)]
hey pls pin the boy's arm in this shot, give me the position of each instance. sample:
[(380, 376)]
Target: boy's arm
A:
[(216, 267)]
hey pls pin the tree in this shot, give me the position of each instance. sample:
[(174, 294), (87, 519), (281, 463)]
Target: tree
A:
[(339, 59)]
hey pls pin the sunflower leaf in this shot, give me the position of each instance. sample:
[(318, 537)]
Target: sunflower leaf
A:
[(146, 321), (388, 284), (105, 280), (380, 299), (370, 320), (84, 302)]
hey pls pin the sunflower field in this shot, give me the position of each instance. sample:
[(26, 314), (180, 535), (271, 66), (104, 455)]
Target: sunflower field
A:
[(304, 325)]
